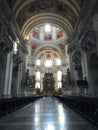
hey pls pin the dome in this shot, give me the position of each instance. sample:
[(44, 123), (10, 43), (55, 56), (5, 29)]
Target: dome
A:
[(48, 33)]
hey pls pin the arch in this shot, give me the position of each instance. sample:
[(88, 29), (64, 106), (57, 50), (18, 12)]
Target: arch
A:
[(43, 18), (19, 5), (46, 48), (37, 85)]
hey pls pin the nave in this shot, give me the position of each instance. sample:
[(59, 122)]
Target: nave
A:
[(46, 113)]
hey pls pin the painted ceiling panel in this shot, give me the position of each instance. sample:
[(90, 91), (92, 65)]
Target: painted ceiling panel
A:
[(35, 8), (31, 13)]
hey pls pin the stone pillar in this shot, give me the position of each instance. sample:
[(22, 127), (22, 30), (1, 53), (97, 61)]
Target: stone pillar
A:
[(86, 72), (29, 62), (23, 74), (63, 67), (73, 74), (17, 74), (16, 81), (3, 58), (19, 81), (8, 75), (84, 64), (95, 22)]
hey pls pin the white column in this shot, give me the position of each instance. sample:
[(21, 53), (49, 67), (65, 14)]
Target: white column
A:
[(54, 33), (87, 73), (84, 63), (41, 33), (8, 75)]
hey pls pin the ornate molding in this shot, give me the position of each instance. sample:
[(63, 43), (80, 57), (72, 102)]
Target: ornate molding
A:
[(6, 26), (71, 48), (88, 42), (5, 44), (18, 58), (23, 47), (76, 57), (7, 37)]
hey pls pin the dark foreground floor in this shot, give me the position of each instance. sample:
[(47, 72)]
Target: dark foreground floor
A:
[(44, 114)]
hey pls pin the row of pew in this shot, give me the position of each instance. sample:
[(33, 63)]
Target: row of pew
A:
[(8, 105), (86, 106)]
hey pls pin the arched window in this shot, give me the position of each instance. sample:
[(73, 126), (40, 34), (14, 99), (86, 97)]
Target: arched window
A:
[(58, 62), (37, 85), (38, 75), (48, 63), (47, 28), (38, 62), (59, 84), (59, 75)]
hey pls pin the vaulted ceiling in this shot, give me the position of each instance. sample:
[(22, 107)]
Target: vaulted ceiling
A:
[(32, 13)]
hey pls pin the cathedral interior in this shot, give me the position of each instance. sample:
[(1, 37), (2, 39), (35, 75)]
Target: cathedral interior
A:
[(49, 49)]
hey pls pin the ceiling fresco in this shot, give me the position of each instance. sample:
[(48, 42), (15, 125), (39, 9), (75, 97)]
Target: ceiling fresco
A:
[(29, 8), (50, 6), (32, 13), (47, 51)]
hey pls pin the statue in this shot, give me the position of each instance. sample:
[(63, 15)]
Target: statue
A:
[(27, 77), (30, 80)]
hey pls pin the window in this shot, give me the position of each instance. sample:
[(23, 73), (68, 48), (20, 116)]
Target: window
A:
[(59, 75), (38, 75), (58, 62), (15, 47), (37, 85), (59, 85), (47, 28), (38, 62), (48, 63)]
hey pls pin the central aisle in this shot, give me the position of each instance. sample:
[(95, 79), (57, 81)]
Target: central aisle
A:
[(44, 114)]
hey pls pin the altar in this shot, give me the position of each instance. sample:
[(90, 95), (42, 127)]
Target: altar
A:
[(48, 83)]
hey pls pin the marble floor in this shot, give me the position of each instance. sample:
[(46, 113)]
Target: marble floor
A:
[(44, 114)]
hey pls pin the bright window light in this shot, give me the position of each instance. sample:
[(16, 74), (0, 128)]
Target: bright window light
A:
[(15, 47), (38, 62), (37, 85), (48, 63), (59, 75), (59, 85), (49, 127), (47, 28), (38, 75), (58, 62)]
